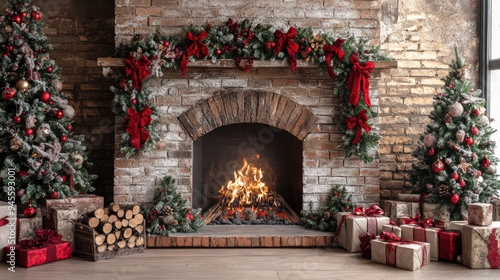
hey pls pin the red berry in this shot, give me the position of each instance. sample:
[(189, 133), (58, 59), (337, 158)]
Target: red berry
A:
[(16, 19), (431, 152), (54, 195), (347, 208), (49, 69), (468, 141), (24, 14), (133, 101), (9, 48), (308, 50), (217, 52), (17, 119), (28, 131), (58, 114), (63, 138), (166, 44)]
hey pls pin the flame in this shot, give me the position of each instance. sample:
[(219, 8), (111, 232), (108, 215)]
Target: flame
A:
[(247, 187)]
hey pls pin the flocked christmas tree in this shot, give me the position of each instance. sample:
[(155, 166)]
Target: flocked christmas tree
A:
[(456, 164), (170, 212), (36, 133)]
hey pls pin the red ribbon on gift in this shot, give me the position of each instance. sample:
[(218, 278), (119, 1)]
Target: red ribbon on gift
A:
[(136, 121), (359, 76), (370, 217), (493, 254), (359, 123), (286, 40), (412, 220), (330, 50), (193, 46), (44, 238), (4, 221), (137, 71), (392, 245), (450, 245)]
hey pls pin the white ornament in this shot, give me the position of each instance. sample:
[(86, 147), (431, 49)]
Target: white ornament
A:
[(460, 136), (447, 161), (456, 110), (483, 121), (480, 179), (430, 140)]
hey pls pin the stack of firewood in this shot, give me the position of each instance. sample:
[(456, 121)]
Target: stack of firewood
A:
[(116, 227)]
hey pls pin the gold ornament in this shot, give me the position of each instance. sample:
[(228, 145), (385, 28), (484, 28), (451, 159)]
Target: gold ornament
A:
[(317, 42), (22, 84), (44, 131), (15, 144), (78, 158)]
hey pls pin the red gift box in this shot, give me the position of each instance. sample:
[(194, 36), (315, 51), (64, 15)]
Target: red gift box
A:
[(450, 245), (37, 256)]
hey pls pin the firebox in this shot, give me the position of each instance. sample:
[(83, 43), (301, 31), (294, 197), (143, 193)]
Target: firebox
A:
[(251, 168)]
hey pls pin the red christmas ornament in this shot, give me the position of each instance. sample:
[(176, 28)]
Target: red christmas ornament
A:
[(189, 215), (9, 48), (454, 176), (273, 44), (166, 44), (485, 162), (454, 198), (308, 50), (54, 194), (16, 19), (58, 114), (468, 141), (9, 93), (133, 101), (461, 183), (17, 119), (474, 130), (437, 166), (69, 127), (217, 52), (63, 138), (44, 96), (28, 131), (431, 152), (29, 212), (476, 112), (64, 178), (24, 14), (35, 15), (49, 69)]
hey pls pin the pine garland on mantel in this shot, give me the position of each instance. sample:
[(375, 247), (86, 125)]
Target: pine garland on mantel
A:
[(348, 62)]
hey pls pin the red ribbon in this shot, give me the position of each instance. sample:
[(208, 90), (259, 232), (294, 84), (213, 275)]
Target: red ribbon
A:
[(370, 217), (136, 121), (493, 254), (330, 50), (137, 71), (359, 123), (392, 245), (4, 221), (193, 46), (44, 238), (291, 46), (360, 75), (412, 220)]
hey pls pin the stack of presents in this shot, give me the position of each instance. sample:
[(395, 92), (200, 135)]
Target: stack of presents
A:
[(409, 233), (48, 236)]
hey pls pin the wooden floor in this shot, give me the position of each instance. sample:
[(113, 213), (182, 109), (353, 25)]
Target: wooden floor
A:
[(240, 264)]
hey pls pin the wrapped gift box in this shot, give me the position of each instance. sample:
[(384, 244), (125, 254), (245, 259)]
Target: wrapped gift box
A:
[(407, 256), (403, 209), (481, 246), (480, 214), (436, 212), (36, 256), (428, 234), (8, 215), (84, 203), (457, 225), (450, 245), (63, 217), (392, 229), (26, 228), (496, 208), (409, 197), (353, 226)]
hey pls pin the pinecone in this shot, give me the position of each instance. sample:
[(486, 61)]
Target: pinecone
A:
[(137, 37), (317, 42), (167, 210), (208, 27), (443, 191)]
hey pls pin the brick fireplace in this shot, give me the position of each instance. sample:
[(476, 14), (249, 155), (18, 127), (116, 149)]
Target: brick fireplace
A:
[(216, 96)]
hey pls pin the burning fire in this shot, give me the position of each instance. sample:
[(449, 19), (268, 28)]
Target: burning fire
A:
[(247, 187)]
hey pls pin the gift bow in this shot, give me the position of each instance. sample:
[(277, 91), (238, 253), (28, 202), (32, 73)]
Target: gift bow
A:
[(359, 123), (193, 46), (291, 46), (392, 223), (360, 74), (417, 220), (4, 221), (137, 71), (330, 50), (136, 121), (389, 237), (370, 212), (44, 237)]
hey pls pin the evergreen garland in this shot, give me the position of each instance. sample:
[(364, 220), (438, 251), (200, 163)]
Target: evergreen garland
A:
[(245, 42)]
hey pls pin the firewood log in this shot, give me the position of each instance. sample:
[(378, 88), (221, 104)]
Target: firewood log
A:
[(127, 233), (114, 208), (139, 228), (131, 241), (98, 213), (139, 218), (99, 239), (111, 238), (139, 241), (118, 234), (111, 247), (124, 223), (120, 213), (132, 223), (136, 209), (112, 218), (129, 214), (121, 243), (104, 218), (102, 248), (104, 227), (117, 225), (90, 221), (106, 211)]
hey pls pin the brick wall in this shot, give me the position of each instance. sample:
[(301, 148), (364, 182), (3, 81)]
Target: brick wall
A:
[(420, 34), (80, 32)]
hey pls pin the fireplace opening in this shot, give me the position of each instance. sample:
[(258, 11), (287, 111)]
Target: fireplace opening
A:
[(248, 173)]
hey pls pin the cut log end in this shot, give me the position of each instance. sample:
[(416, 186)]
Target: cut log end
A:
[(90, 221), (114, 208), (129, 214), (102, 248), (139, 218), (120, 213), (99, 239), (111, 238)]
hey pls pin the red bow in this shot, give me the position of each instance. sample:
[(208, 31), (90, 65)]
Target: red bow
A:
[(412, 220), (4, 221), (359, 123), (360, 74), (392, 223), (370, 212), (137, 71), (193, 46), (44, 237), (291, 46), (389, 237), (136, 121), (330, 50)]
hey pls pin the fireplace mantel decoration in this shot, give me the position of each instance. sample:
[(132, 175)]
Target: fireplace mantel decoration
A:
[(348, 62)]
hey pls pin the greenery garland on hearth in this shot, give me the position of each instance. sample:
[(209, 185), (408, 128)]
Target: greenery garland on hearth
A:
[(246, 41)]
